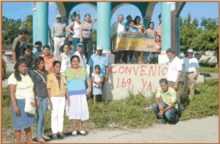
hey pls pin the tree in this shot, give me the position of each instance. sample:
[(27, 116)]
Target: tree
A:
[(10, 28), (94, 33)]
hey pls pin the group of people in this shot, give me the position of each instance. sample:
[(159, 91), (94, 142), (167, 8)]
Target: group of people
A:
[(58, 82), (137, 27), (61, 80), (170, 87)]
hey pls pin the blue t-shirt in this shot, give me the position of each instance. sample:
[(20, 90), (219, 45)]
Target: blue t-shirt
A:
[(102, 61), (133, 29), (127, 26)]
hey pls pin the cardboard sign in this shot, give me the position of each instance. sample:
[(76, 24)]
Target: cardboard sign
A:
[(133, 77), (133, 41)]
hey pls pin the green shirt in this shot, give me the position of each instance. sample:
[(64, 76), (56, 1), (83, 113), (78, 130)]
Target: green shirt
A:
[(168, 97)]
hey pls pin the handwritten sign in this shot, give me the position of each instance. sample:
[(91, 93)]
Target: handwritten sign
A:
[(136, 78), (133, 41)]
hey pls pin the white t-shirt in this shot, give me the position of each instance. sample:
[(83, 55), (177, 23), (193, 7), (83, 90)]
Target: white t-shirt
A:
[(83, 60), (97, 78), (117, 28), (76, 28), (65, 63), (190, 64), (173, 69)]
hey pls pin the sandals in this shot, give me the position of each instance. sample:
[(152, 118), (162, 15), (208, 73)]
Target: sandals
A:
[(45, 137), (74, 133), (82, 132), (41, 140)]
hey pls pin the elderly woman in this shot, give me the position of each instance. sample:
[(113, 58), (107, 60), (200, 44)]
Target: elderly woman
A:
[(64, 58), (21, 86), (76, 87), (39, 78), (140, 28), (86, 35), (75, 25)]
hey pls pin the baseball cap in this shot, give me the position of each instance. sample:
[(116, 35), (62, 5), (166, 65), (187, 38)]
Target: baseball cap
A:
[(190, 50), (79, 44), (24, 30), (38, 43), (58, 16), (99, 47)]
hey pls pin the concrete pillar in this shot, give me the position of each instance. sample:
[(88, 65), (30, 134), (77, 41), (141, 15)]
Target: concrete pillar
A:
[(103, 25), (42, 22), (166, 26), (179, 35), (146, 23), (34, 32)]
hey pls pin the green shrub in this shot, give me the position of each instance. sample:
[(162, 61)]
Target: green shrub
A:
[(8, 74)]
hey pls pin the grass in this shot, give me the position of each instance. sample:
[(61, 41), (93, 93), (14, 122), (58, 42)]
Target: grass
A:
[(130, 112), (208, 68), (8, 74)]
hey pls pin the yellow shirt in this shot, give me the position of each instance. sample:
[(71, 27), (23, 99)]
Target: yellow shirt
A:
[(53, 84), (23, 87)]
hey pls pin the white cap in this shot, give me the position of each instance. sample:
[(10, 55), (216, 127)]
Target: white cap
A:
[(99, 47), (58, 16), (190, 50)]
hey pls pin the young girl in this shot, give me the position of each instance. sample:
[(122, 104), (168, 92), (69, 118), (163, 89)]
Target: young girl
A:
[(97, 80)]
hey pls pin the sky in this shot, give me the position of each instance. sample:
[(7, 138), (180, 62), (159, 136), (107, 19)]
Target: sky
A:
[(18, 10)]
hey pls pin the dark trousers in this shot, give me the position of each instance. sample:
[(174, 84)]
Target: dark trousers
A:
[(89, 52)]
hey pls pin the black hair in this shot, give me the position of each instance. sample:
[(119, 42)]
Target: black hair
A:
[(18, 63), (62, 47), (88, 15), (157, 36), (149, 24), (77, 15), (170, 50), (131, 21), (136, 19), (38, 43), (128, 16), (97, 66), (46, 46), (27, 47), (56, 62), (37, 62), (163, 80), (74, 56)]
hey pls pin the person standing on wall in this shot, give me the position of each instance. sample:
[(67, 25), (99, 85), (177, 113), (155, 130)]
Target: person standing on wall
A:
[(75, 25), (18, 45), (118, 27), (192, 72), (59, 35), (81, 56), (86, 35), (129, 19), (160, 27), (174, 72)]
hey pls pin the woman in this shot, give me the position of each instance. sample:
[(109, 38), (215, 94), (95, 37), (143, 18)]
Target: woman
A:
[(86, 35), (151, 32), (64, 58), (39, 78), (56, 88), (140, 28), (76, 28), (154, 55), (20, 85), (78, 109)]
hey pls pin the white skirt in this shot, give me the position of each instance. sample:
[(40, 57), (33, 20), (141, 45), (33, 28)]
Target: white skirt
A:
[(78, 108)]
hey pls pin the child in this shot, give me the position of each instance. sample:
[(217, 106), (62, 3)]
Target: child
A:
[(97, 80), (48, 59), (38, 45), (28, 58)]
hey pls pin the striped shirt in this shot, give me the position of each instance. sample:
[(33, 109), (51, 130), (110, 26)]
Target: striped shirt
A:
[(87, 31)]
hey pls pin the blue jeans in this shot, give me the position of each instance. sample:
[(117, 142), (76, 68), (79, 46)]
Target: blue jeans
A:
[(75, 42), (90, 48), (41, 111), (170, 114), (154, 57)]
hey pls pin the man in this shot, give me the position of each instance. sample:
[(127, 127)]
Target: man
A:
[(129, 19), (38, 45), (118, 27), (169, 107), (59, 35), (79, 53), (18, 45), (192, 72), (160, 27), (101, 60), (174, 72)]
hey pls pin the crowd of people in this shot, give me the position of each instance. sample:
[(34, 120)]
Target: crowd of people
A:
[(61, 81)]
